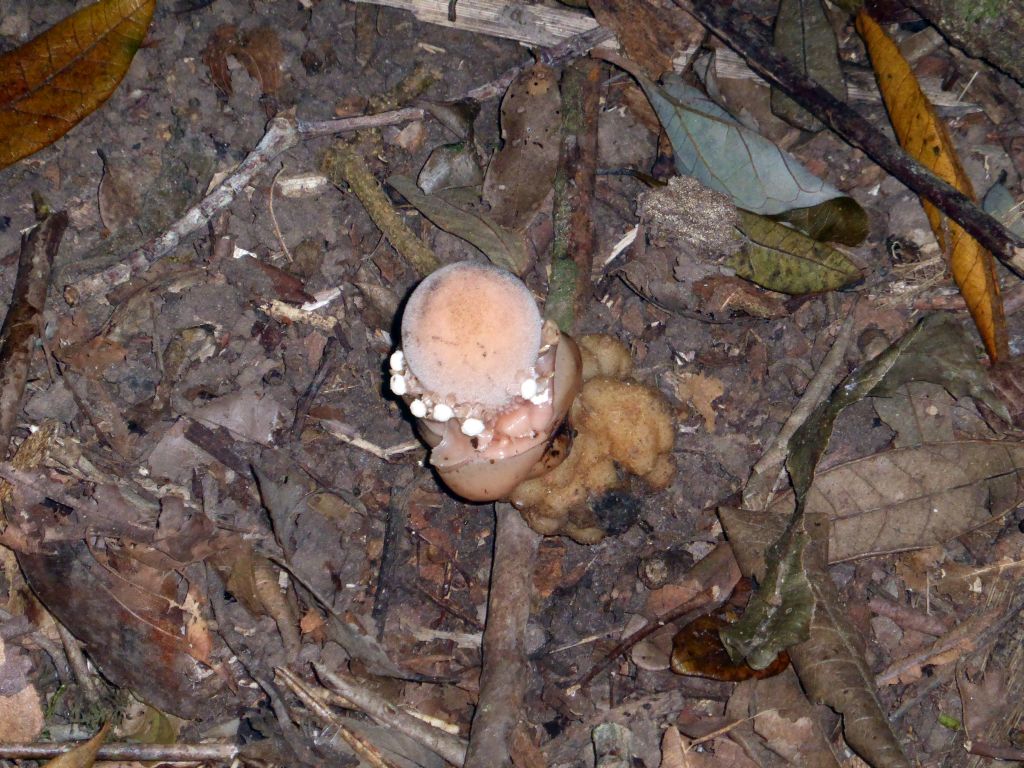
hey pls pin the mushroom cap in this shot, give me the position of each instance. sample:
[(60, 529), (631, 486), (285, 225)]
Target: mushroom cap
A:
[(470, 332)]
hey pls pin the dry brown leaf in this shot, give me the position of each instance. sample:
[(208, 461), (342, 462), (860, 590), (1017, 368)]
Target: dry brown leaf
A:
[(82, 756), (53, 81), (258, 50), (901, 499), (656, 37), (925, 137), (21, 717)]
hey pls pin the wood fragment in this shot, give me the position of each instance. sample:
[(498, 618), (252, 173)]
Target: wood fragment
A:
[(215, 752), (537, 25), (506, 672), (344, 166)]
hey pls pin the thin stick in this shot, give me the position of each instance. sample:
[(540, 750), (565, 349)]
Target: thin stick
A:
[(749, 38), (768, 468), (218, 752), (451, 748), (506, 670)]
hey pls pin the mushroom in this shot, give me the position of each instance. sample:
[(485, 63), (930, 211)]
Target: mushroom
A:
[(488, 381)]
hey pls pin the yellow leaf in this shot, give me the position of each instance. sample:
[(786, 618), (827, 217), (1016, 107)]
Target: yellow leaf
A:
[(53, 81), (82, 756), (924, 136)]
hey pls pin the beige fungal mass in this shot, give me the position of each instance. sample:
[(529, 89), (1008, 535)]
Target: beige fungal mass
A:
[(471, 332)]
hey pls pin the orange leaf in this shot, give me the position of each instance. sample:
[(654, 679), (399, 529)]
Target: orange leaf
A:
[(53, 81), (924, 136)]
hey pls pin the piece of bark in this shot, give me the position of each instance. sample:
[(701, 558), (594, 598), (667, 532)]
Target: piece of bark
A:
[(22, 324), (573, 251)]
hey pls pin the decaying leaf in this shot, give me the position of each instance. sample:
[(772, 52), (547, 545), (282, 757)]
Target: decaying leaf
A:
[(504, 247), (450, 166), (804, 35), (782, 259), (777, 715), (698, 650), (721, 153), (258, 50), (925, 137), (118, 194), (522, 172), (999, 202), (21, 716), (839, 220), (136, 636), (905, 498), (53, 81), (934, 350)]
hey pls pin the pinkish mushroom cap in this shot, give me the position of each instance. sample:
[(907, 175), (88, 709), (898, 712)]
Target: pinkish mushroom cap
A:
[(488, 381)]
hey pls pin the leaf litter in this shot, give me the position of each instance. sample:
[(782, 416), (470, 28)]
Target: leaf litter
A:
[(172, 387)]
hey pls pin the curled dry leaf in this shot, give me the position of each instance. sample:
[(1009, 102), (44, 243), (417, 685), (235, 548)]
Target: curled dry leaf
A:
[(53, 81), (258, 50), (925, 137), (84, 755)]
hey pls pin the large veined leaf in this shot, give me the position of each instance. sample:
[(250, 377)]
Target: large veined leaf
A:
[(53, 81), (782, 259), (924, 136), (712, 146)]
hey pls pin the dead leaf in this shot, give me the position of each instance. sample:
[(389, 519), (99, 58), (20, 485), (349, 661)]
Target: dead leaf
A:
[(132, 627), (21, 717), (505, 247), (258, 50), (804, 35), (698, 650), (53, 81), (84, 755), (925, 137), (118, 194), (522, 172)]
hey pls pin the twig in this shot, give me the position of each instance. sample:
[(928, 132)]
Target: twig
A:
[(748, 37), (506, 671), (21, 326), (273, 217), (78, 664), (217, 752), (338, 430), (451, 748), (344, 166), (907, 617), (766, 471), (701, 603), (315, 704)]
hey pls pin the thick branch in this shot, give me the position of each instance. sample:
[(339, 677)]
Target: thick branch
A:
[(506, 672), (749, 38)]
